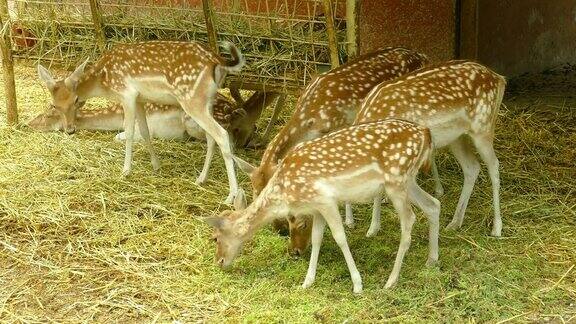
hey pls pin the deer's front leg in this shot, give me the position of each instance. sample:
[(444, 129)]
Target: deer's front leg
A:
[(318, 227), (129, 106)]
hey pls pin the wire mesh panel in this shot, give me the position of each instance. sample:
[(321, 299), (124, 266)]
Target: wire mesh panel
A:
[(285, 42)]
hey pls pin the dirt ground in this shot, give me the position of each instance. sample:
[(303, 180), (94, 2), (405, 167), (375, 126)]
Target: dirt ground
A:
[(78, 243)]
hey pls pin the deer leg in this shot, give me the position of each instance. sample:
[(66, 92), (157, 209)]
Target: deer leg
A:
[(431, 208), (129, 106), (277, 109), (349, 215), (145, 134), (332, 216), (198, 105), (376, 211), (470, 168), (399, 199), (484, 145), (438, 188), (207, 161), (318, 227)]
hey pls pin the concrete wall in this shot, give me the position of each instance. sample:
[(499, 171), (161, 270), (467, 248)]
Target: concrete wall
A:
[(427, 26), (517, 36)]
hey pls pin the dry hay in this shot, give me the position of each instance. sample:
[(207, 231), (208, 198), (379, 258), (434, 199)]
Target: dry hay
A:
[(79, 243)]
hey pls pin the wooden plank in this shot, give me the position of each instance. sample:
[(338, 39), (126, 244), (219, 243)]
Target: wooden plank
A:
[(8, 65), (467, 39), (352, 27), (207, 8), (98, 23), (330, 28)]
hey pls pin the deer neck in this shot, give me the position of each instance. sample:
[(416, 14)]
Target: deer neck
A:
[(267, 207), (90, 85), (111, 119)]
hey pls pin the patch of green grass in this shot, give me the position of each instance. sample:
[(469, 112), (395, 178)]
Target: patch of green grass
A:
[(80, 243)]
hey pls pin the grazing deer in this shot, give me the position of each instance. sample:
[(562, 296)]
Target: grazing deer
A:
[(351, 164), (328, 103), (455, 99), (242, 129), (172, 73)]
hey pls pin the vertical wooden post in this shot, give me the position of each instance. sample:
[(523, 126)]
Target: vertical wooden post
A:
[(207, 6), (467, 40), (98, 23), (351, 27), (8, 65), (330, 28)]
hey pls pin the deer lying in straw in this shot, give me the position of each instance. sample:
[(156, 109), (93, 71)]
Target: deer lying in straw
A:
[(173, 73), (456, 99), (351, 164), (166, 121), (328, 103)]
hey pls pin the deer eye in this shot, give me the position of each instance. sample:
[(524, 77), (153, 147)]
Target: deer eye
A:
[(76, 101)]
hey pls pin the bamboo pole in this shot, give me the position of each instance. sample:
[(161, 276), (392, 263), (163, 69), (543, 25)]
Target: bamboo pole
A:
[(207, 6), (351, 27), (8, 65), (332, 40), (98, 23)]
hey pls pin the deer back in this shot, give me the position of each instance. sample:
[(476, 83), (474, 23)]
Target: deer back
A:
[(332, 99), (463, 93)]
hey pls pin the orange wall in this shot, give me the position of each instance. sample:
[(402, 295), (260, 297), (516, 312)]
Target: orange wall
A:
[(427, 26)]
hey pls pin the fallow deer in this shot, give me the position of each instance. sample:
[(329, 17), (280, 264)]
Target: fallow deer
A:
[(183, 73), (351, 164), (330, 102), (455, 99)]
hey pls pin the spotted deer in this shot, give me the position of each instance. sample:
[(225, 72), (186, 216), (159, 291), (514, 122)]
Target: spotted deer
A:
[(173, 73), (164, 121), (455, 99), (351, 164), (330, 102)]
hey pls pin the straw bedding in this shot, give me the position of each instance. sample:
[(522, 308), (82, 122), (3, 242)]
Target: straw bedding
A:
[(79, 243)]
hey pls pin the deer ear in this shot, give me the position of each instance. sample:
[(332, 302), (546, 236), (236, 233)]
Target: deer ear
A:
[(244, 166), (214, 221), (73, 79), (46, 77), (240, 200)]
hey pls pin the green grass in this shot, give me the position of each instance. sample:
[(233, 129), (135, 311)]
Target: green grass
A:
[(79, 243)]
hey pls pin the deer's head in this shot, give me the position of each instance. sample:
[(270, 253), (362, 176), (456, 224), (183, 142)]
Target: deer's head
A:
[(65, 100), (228, 242), (300, 228)]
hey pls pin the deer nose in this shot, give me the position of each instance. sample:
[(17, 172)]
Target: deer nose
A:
[(221, 262), (70, 130), (296, 252)]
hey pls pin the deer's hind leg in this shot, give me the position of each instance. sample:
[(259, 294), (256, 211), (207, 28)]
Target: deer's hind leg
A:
[(431, 208), (198, 105), (399, 197), (145, 134)]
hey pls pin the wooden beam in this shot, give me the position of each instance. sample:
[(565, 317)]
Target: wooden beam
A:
[(352, 27), (8, 65), (98, 23), (207, 8), (331, 29), (467, 39)]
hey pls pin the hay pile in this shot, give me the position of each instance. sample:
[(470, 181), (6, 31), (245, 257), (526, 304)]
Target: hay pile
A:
[(79, 243)]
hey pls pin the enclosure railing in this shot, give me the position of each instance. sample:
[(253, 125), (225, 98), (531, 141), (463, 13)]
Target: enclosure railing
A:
[(285, 42)]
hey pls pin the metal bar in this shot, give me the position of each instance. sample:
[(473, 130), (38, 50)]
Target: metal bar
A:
[(332, 40), (207, 6), (98, 23), (8, 65), (351, 27)]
